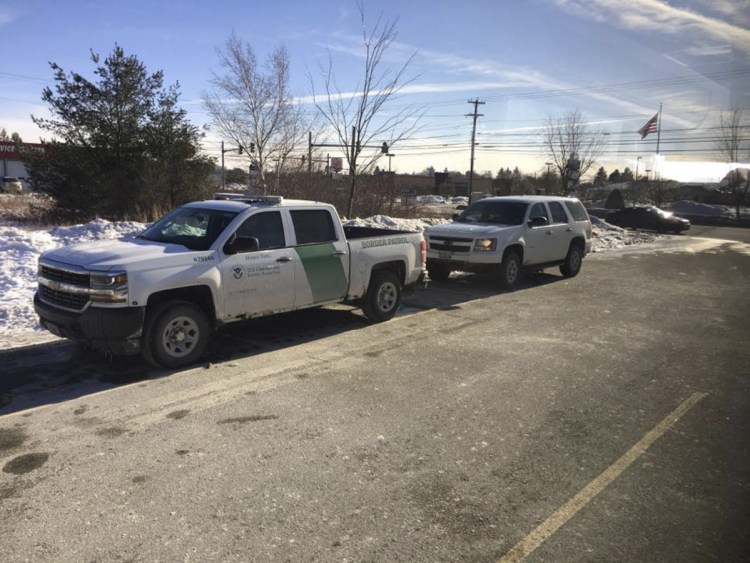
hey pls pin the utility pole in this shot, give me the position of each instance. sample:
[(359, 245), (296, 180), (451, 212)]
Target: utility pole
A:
[(473, 136), (309, 152)]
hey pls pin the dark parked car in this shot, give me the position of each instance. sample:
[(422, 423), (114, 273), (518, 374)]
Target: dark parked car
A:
[(651, 218)]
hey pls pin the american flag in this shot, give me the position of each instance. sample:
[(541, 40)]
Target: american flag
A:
[(650, 127)]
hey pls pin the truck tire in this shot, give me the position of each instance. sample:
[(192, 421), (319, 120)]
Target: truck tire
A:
[(176, 334), (573, 261), (438, 272), (383, 297), (510, 270)]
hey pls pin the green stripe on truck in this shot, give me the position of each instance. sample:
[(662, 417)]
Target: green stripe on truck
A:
[(324, 271)]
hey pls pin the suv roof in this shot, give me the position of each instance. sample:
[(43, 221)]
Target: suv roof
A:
[(529, 198)]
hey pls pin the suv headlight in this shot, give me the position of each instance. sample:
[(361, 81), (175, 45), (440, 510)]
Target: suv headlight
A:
[(108, 287), (485, 244)]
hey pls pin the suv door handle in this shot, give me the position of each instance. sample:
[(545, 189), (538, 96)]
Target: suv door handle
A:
[(569, 229), (340, 253), (284, 259)]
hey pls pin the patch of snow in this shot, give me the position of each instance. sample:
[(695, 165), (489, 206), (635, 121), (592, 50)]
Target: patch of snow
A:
[(430, 199)]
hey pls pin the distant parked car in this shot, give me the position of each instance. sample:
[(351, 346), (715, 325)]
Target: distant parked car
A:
[(11, 185), (651, 218)]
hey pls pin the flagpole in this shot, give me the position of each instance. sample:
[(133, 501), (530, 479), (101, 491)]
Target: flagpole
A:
[(658, 130)]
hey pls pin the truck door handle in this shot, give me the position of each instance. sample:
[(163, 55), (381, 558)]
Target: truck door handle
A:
[(340, 253), (548, 233), (284, 259)]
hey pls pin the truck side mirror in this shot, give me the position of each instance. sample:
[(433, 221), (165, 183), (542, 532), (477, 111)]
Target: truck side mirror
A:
[(538, 222), (239, 245)]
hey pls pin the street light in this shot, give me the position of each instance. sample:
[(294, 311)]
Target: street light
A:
[(390, 156), (239, 151)]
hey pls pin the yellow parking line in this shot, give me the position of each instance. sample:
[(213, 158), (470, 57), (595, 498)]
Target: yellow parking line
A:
[(525, 547)]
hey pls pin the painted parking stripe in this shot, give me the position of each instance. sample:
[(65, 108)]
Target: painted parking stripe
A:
[(526, 547)]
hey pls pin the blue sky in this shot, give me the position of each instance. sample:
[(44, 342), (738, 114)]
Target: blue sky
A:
[(526, 59)]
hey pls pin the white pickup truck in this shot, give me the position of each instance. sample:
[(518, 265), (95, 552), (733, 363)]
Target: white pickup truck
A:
[(509, 235), (218, 261)]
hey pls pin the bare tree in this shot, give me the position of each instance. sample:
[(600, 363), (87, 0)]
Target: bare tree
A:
[(253, 107), (733, 145), (358, 119), (572, 145)]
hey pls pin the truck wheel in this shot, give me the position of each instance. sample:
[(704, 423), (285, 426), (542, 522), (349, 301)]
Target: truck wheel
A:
[(438, 272), (573, 261), (510, 270), (176, 334), (383, 297)]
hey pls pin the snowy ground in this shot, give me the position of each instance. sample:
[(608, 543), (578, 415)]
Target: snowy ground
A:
[(21, 246)]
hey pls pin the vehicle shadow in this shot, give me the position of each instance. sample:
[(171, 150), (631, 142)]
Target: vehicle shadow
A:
[(462, 287), (51, 373)]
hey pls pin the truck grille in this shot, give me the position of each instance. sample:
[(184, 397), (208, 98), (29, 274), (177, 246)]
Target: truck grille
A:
[(63, 299), (451, 244), (59, 297), (65, 276)]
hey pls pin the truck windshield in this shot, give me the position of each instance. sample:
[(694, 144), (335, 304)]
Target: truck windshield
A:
[(192, 227), (502, 212)]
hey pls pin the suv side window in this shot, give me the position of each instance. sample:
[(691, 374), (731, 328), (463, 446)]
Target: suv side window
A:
[(538, 210), (557, 211), (313, 226), (577, 210), (266, 227)]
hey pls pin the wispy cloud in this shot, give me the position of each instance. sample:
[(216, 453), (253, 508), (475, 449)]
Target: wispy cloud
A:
[(656, 15), (6, 16)]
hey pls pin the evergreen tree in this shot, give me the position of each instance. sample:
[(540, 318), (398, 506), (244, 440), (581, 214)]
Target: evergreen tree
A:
[(615, 177), (627, 175), (601, 178), (121, 148)]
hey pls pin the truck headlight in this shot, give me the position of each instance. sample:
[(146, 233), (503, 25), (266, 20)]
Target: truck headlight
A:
[(108, 287), (485, 244)]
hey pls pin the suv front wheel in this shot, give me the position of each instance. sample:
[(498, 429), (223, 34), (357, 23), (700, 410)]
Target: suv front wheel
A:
[(510, 270)]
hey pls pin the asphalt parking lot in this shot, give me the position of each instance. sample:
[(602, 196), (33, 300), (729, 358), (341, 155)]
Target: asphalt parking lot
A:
[(601, 418)]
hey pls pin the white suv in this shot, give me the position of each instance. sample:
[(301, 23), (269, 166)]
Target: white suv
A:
[(510, 234), (11, 185)]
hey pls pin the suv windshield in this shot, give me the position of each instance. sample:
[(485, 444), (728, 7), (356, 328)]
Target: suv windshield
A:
[(502, 212), (192, 227)]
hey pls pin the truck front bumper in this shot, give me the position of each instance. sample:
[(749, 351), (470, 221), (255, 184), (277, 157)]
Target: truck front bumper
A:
[(111, 330)]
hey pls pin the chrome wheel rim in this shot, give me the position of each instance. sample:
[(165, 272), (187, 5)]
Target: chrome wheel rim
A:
[(511, 272), (180, 336), (575, 261), (387, 297)]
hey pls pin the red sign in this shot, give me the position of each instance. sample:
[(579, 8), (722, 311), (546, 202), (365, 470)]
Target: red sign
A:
[(336, 164), (8, 149)]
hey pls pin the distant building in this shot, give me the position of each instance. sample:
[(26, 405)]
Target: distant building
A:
[(441, 183), (701, 193), (11, 163)]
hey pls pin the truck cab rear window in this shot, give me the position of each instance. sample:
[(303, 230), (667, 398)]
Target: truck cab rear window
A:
[(313, 226)]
